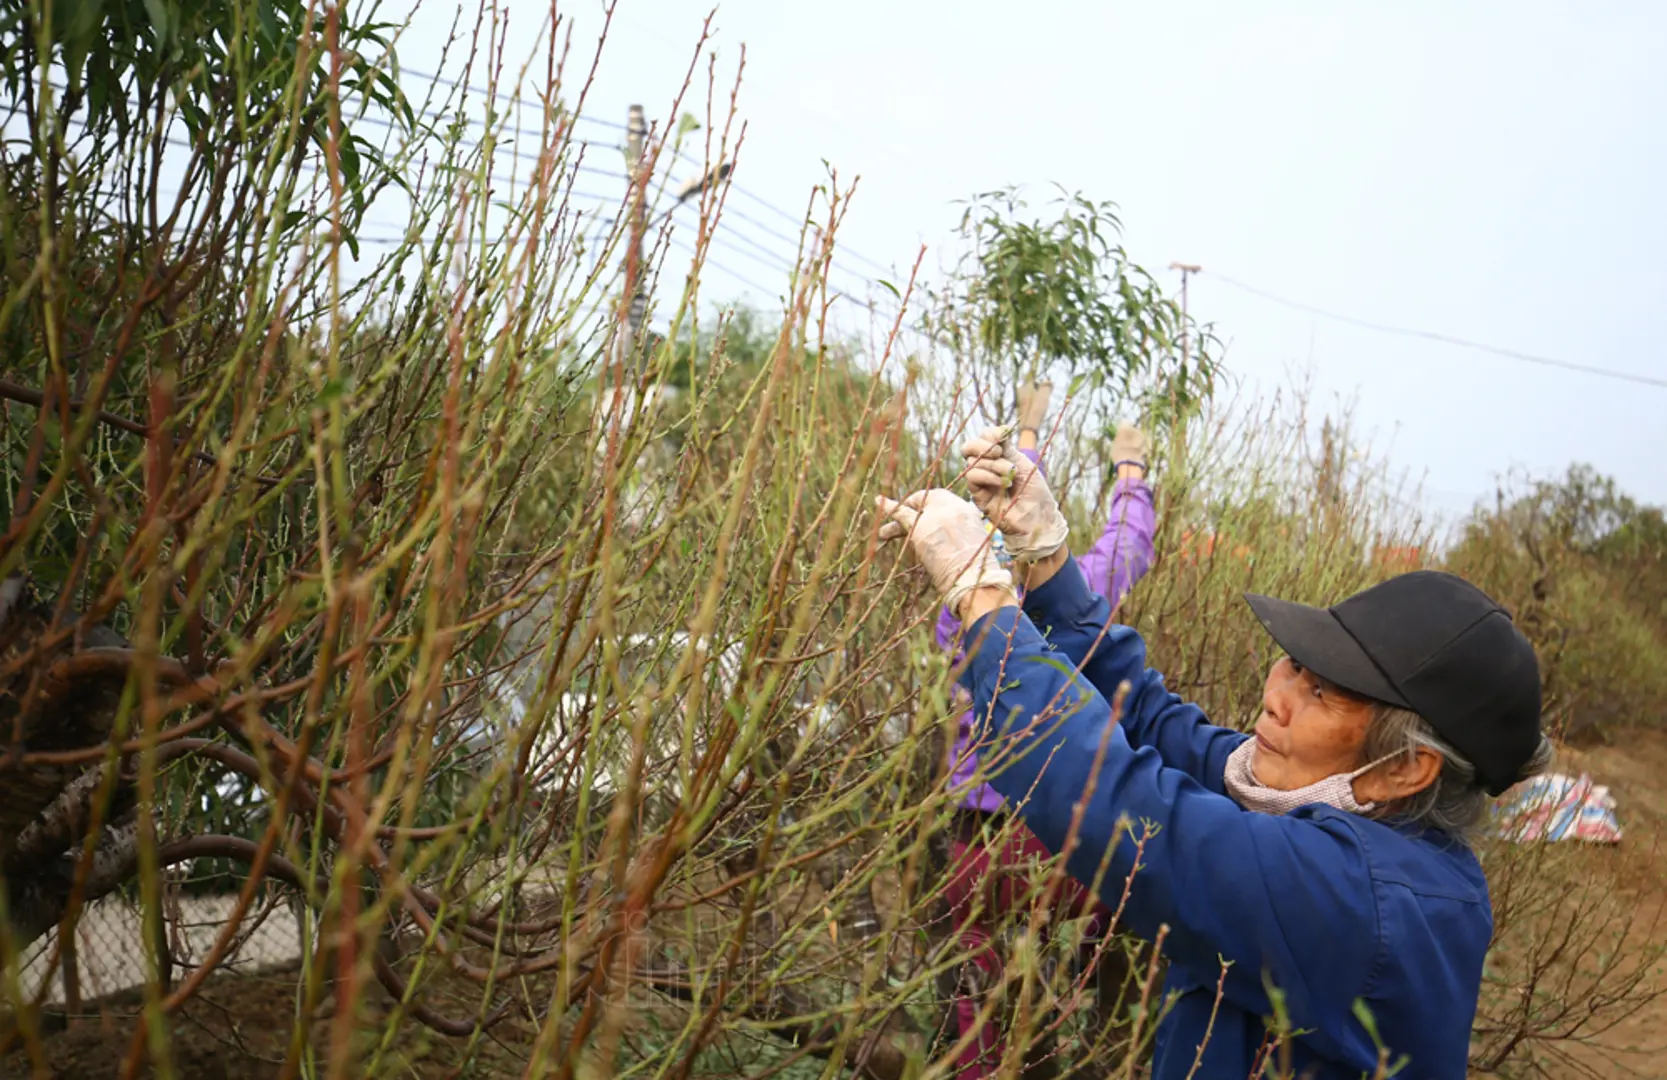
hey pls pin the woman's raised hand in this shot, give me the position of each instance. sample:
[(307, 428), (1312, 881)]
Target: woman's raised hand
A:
[(947, 534), (1013, 493)]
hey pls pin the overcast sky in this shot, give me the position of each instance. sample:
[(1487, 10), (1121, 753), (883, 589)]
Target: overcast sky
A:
[(1492, 171)]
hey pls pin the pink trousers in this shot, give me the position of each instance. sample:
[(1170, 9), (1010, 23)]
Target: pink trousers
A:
[(995, 883)]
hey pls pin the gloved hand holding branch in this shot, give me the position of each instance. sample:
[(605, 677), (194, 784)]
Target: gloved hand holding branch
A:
[(1011, 491), (946, 533)]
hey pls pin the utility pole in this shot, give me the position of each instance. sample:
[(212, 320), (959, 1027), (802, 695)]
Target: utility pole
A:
[(1187, 270), (631, 344), (636, 138), (1179, 435)]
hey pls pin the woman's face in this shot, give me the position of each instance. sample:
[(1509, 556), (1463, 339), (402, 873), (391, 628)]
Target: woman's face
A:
[(1309, 729)]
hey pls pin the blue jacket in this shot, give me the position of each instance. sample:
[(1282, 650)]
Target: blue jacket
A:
[(1330, 908)]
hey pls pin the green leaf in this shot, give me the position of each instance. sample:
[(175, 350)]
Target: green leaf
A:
[(158, 13), (98, 89), (1056, 663), (1363, 1014), (349, 155), (75, 59), (78, 28), (686, 124), (891, 288)]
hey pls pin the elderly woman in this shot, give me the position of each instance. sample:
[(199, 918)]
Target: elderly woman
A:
[(1324, 855)]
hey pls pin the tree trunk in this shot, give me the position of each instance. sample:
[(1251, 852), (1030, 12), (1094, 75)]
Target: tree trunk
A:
[(46, 809), (38, 902)]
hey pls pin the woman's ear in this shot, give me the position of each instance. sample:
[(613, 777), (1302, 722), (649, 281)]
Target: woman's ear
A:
[(1399, 778)]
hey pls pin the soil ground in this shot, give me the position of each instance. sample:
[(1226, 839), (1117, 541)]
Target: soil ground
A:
[(1634, 766), (238, 1027)]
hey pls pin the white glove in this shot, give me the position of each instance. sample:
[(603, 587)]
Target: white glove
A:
[(947, 535), (1014, 494), (1128, 447)]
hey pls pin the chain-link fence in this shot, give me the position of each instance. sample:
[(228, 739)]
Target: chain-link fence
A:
[(107, 954)]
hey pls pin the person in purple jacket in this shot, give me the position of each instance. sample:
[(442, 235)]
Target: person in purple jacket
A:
[(992, 860), (1324, 856)]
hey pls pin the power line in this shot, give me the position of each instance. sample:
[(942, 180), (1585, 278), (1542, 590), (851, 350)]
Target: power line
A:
[(685, 156), (859, 256), (1447, 339), (727, 236), (689, 249), (797, 220), (513, 149), (678, 154), (730, 238), (438, 119), (515, 96)]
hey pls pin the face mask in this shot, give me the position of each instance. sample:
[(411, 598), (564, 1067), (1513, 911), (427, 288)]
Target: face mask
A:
[(1334, 791)]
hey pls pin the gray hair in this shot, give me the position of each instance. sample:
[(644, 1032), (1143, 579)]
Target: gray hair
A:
[(1456, 803)]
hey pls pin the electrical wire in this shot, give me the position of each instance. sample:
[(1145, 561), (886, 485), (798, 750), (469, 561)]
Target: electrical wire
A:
[(796, 220), (689, 249), (1445, 339), (735, 240), (721, 236)]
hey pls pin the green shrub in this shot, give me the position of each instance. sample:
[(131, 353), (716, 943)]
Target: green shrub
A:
[(1584, 569)]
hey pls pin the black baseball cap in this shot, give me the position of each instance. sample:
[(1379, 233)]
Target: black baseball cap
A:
[(1433, 643)]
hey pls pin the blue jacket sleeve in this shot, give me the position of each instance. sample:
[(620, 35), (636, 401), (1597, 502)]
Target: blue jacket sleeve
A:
[(1077, 622), (1289, 896)]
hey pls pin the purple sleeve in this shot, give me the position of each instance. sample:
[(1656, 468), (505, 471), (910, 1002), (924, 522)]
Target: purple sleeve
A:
[(948, 627), (1123, 553)]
